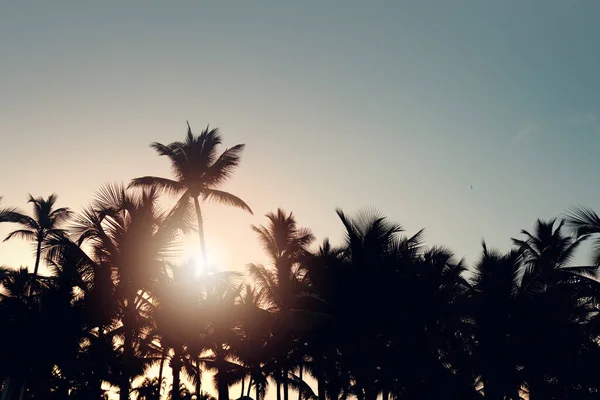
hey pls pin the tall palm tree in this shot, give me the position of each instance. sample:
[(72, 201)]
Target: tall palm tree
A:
[(46, 221), (198, 171)]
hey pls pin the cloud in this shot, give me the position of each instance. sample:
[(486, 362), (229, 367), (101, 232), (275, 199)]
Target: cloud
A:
[(582, 119), (525, 133)]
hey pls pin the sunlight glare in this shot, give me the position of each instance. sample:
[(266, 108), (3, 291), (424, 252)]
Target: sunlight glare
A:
[(193, 254)]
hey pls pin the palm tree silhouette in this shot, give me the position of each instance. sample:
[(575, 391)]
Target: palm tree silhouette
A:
[(45, 222), (585, 223), (128, 233), (286, 244), (557, 304), (495, 295), (198, 172)]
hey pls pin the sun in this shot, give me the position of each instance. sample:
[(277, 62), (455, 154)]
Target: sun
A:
[(193, 254)]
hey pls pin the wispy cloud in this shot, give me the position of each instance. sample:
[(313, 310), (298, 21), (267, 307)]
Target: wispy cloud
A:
[(582, 119), (525, 133)]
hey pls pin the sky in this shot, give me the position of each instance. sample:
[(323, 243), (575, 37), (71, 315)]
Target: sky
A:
[(396, 105)]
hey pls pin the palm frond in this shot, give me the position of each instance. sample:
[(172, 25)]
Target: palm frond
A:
[(164, 185), (583, 220), (23, 234), (222, 197), (265, 281), (224, 166)]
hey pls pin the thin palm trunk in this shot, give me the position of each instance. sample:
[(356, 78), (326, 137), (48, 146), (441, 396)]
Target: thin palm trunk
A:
[(201, 231), (286, 392), (125, 384), (38, 256), (321, 386), (256, 385), (176, 368), (199, 377), (243, 386), (222, 384), (125, 381), (95, 385), (300, 384), (249, 386), (278, 389), (95, 380), (385, 395), (161, 368)]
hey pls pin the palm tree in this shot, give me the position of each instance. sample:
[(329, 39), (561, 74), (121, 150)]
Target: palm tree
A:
[(558, 306), (218, 321), (96, 310), (181, 392), (256, 329), (150, 389), (129, 235), (198, 172), (495, 299), (19, 313), (176, 299), (547, 253), (45, 222), (281, 285)]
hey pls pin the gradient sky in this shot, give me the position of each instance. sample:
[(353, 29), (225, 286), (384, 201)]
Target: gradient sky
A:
[(397, 105)]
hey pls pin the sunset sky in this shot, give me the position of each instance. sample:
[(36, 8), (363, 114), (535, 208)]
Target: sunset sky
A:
[(397, 105)]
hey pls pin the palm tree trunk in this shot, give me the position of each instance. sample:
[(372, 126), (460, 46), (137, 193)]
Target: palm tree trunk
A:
[(385, 395), (38, 256), (300, 384), (161, 368), (278, 389), (222, 383), (243, 386), (286, 393), (199, 380), (94, 386), (249, 386), (176, 368), (223, 388), (256, 385), (200, 231), (125, 382), (321, 386)]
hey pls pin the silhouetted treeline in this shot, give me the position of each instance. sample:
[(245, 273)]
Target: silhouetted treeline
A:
[(381, 315)]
